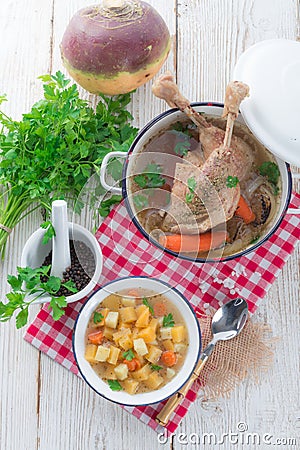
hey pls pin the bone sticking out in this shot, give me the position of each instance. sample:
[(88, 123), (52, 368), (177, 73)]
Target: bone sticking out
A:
[(235, 93), (164, 87)]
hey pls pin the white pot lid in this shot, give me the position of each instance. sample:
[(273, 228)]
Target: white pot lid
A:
[(272, 70)]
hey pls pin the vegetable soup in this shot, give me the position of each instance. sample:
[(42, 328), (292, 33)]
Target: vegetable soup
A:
[(136, 341)]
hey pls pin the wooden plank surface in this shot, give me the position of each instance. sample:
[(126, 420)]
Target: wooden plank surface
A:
[(43, 406)]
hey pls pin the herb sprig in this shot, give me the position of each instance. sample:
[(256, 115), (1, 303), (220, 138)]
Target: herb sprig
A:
[(129, 355), (146, 303), (168, 321), (56, 147), (27, 287), (114, 385), (232, 182), (191, 182), (270, 170), (98, 317), (150, 177)]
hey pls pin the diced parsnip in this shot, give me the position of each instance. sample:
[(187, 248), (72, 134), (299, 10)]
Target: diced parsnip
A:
[(121, 371), (178, 333), (126, 342), (109, 373), (121, 333), (104, 312), (112, 302), (153, 354), (160, 321), (128, 314), (166, 333), (127, 301), (130, 386), (180, 347), (148, 334), (108, 333), (140, 346), (143, 318), (111, 320), (153, 323), (90, 352), (154, 380), (142, 374), (102, 353), (140, 309), (170, 373), (135, 332), (113, 355), (168, 345)]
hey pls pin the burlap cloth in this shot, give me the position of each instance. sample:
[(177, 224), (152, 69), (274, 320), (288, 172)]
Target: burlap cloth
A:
[(246, 356)]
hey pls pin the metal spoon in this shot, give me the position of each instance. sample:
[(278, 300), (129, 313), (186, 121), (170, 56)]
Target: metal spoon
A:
[(227, 323)]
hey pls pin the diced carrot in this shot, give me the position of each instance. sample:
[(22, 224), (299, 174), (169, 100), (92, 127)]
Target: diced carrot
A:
[(244, 211), (194, 243), (133, 293), (96, 337), (160, 309), (132, 365), (168, 358)]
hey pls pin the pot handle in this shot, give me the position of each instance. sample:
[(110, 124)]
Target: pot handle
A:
[(113, 189), (295, 211)]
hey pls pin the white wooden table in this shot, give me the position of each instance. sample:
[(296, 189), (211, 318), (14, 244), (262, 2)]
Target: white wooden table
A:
[(43, 406)]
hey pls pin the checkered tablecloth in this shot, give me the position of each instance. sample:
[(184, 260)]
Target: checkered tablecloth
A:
[(127, 252)]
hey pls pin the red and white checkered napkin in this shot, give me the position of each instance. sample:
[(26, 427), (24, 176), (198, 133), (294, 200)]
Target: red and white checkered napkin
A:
[(127, 252)]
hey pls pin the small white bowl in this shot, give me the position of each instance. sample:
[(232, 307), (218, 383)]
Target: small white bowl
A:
[(194, 339), (34, 253)]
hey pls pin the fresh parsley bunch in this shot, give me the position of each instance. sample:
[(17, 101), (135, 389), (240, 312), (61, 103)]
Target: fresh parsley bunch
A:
[(56, 147)]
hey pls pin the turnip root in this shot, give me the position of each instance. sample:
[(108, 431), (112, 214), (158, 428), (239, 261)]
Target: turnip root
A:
[(116, 46)]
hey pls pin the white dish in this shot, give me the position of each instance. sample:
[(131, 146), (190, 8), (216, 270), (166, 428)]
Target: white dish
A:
[(194, 339)]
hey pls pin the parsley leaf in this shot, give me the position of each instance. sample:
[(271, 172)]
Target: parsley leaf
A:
[(129, 355), (98, 317), (182, 147), (150, 177), (270, 170), (114, 385), (232, 182), (105, 205), (192, 183), (145, 302), (155, 367), (50, 231), (168, 321), (140, 201)]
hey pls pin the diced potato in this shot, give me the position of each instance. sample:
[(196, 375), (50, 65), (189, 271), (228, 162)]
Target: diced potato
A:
[(109, 373), (143, 373), (111, 320), (121, 371), (126, 342), (143, 318), (123, 325), (153, 323), (113, 355), (148, 334), (128, 314), (108, 333), (104, 312), (127, 301), (168, 345), (140, 309), (154, 380), (160, 321), (170, 373), (140, 346), (102, 353), (153, 354), (135, 332), (112, 302), (90, 352), (121, 333), (178, 333), (180, 347), (166, 333), (130, 385)]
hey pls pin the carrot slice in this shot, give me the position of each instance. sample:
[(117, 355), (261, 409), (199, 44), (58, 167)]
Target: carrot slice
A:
[(194, 243), (160, 309), (168, 358), (96, 337), (132, 365), (244, 211), (133, 293)]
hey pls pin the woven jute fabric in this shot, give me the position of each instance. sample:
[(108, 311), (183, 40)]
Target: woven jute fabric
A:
[(246, 356)]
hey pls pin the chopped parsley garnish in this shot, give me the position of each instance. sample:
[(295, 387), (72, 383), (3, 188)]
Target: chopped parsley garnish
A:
[(182, 147), (114, 385), (129, 355), (254, 240), (140, 201), (155, 367), (146, 303), (98, 317), (151, 177), (232, 182), (270, 170), (168, 321), (191, 182)]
